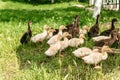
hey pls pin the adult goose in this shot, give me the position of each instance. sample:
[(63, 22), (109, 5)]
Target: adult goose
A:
[(27, 35), (107, 32), (94, 30)]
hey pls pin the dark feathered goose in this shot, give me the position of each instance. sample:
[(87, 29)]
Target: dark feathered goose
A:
[(108, 42), (27, 35), (107, 32), (72, 29), (94, 30)]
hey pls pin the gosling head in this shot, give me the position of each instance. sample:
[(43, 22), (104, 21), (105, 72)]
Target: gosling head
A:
[(77, 18), (62, 27), (65, 34), (114, 20), (46, 27), (51, 30), (106, 49), (98, 15), (29, 22), (82, 36), (85, 28)]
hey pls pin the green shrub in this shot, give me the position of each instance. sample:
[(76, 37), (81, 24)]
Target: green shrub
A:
[(44, 1)]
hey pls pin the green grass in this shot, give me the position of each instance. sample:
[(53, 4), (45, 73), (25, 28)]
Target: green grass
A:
[(28, 62)]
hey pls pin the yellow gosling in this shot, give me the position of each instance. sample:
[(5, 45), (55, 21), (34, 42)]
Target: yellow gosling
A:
[(40, 37), (75, 42), (56, 37), (95, 57), (65, 43)]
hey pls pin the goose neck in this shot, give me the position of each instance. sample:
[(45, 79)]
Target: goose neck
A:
[(28, 26), (112, 25)]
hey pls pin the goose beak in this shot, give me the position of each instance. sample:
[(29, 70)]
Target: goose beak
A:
[(116, 38), (65, 28), (70, 35), (84, 37), (110, 50)]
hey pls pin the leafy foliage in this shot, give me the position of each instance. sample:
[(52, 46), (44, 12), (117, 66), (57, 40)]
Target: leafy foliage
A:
[(44, 1)]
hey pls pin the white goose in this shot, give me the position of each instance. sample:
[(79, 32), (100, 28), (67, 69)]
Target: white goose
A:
[(58, 46), (56, 37), (75, 42), (96, 57), (40, 37), (52, 50), (65, 43), (81, 52)]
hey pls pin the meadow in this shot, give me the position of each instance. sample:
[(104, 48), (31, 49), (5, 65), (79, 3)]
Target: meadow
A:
[(28, 62)]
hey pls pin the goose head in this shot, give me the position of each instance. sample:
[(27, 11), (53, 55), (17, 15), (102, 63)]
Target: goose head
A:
[(29, 22), (62, 27), (86, 28), (114, 20), (51, 30), (46, 27), (82, 36), (65, 34), (98, 15), (76, 18), (106, 49)]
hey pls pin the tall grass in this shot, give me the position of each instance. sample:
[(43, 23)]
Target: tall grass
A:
[(28, 62)]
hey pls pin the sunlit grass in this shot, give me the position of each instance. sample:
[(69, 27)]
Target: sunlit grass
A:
[(28, 62)]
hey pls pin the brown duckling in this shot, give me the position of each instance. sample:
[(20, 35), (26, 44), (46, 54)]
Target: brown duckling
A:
[(107, 32), (109, 41), (73, 28), (27, 35), (94, 30)]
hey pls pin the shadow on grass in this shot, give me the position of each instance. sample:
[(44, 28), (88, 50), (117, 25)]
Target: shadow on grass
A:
[(65, 15), (33, 2), (31, 54)]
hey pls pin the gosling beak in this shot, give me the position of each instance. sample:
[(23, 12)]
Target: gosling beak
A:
[(84, 37), (116, 38), (110, 50), (70, 35), (65, 28)]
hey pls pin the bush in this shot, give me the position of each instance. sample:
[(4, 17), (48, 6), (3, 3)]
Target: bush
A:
[(45, 1)]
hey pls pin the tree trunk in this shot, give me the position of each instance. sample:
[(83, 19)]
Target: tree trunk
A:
[(52, 1), (119, 4), (91, 2)]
